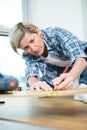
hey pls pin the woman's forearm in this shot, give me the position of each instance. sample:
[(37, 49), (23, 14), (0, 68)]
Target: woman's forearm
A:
[(78, 67)]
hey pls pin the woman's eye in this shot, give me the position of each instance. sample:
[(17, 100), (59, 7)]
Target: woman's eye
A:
[(31, 41), (25, 48)]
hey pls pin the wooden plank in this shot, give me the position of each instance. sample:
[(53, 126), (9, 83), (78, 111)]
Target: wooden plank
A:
[(55, 112), (52, 93)]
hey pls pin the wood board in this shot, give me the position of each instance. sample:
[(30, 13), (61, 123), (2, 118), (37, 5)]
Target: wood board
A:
[(56, 112), (52, 93)]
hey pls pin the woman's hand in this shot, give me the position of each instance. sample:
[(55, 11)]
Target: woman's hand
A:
[(40, 86), (63, 82)]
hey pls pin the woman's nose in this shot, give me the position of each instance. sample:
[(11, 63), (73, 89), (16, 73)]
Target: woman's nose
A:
[(33, 48)]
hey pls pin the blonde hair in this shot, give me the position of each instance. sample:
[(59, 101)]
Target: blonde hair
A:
[(18, 32)]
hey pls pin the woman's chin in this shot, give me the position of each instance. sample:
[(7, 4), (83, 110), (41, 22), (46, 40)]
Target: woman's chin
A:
[(40, 53)]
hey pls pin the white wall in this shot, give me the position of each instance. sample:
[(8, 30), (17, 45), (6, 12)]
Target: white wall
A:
[(63, 13), (84, 15)]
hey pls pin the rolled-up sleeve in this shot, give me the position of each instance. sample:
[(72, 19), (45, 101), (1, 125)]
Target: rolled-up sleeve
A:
[(32, 67), (75, 50), (72, 47)]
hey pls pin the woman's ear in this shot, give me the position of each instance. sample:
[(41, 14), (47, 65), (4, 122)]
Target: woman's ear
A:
[(39, 33)]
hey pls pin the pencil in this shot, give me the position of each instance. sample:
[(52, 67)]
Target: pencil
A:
[(64, 71)]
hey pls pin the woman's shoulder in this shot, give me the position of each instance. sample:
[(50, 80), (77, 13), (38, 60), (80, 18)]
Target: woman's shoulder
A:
[(28, 56)]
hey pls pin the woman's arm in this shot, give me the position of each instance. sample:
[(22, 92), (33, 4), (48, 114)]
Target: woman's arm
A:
[(66, 80), (78, 67)]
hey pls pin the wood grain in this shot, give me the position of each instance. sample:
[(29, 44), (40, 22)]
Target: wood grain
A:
[(52, 93), (56, 112)]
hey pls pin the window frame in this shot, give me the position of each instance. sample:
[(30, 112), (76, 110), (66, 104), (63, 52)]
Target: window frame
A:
[(4, 31)]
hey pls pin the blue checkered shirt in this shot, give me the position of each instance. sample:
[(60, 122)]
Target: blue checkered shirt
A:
[(59, 42)]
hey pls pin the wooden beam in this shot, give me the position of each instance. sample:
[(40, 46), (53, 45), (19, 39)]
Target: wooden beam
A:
[(52, 93)]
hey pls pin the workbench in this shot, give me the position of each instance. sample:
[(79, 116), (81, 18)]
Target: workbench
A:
[(57, 113)]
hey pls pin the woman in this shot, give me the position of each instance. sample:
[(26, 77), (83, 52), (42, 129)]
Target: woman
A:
[(47, 52)]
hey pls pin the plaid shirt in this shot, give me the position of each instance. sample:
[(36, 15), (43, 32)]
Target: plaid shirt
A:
[(59, 42)]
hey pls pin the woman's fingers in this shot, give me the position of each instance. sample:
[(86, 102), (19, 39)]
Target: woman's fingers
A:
[(40, 86), (57, 81), (65, 81)]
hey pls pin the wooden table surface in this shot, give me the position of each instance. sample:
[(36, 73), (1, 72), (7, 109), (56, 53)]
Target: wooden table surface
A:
[(53, 112)]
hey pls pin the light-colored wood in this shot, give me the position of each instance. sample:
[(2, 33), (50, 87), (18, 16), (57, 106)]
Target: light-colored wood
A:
[(52, 93), (53, 112)]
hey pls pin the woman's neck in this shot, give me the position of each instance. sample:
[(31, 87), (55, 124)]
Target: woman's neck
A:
[(45, 53)]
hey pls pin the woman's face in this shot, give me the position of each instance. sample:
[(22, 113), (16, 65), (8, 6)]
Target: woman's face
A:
[(33, 44)]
